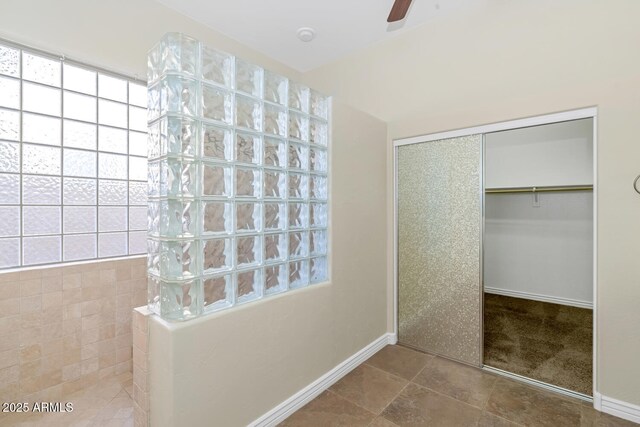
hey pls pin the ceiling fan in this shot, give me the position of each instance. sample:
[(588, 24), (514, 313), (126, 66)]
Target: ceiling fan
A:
[(399, 10)]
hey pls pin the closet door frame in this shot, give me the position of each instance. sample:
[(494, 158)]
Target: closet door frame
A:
[(583, 113)]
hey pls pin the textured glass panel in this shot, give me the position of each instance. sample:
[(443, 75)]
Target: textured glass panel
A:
[(10, 254), (216, 104), (318, 104), (298, 186), (10, 224), (180, 300), (79, 135), (41, 250), (274, 152), (317, 159), (112, 192), (79, 163), (156, 183), (298, 156), (41, 190), (275, 247), (40, 129), (298, 126), (79, 191), (216, 255), (9, 61), (248, 113), (137, 168), (137, 242), (275, 279), (274, 186), (181, 136), (248, 251), (138, 118), (248, 216), (218, 217), (298, 97), (138, 94), (79, 79), (318, 270), (79, 107), (275, 216), (178, 259), (80, 246), (9, 125), (318, 187), (217, 142), (180, 53), (9, 189), (299, 244), (112, 244), (275, 88), (179, 95), (216, 66), (249, 286), (112, 166), (247, 148), (9, 156), (298, 274), (137, 193), (247, 182), (138, 144), (39, 69), (112, 139), (275, 120), (318, 215), (218, 293), (439, 216), (176, 218), (40, 220), (79, 219), (216, 180), (138, 218), (40, 99), (318, 133), (153, 101), (248, 78), (112, 218), (298, 215), (112, 88), (41, 160), (112, 113), (318, 242), (9, 92)]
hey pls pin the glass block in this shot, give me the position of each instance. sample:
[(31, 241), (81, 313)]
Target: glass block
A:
[(9, 189), (153, 101), (9, 125), (298, 274), (78, 134), (218, 292), (318, 132), (179, 259), (298, 186), (79, 191), (216, 142), (40, 69), (112, 88), (275, 88), (137, 118), (153, 256), (298, 156), (216, 180), (153, 217), (249, 286), (9, 156), (216, 255), (112, 166), (274, 184), (248, 113), (248, 251), (217, 217), (318, 215), (318, 188), (137, 218), (298, 126), (41, 99), (138, 143), (40, 160), (79, 107), (155, 140), (181, 177), (318, 104), (248, 217), (156, 184), (247, 182), (275, 216), (275, 120), (41, 220), (180, 300), (41, 250), (298, 244), (247, 148), (275, 279), (216, 104), (274, 152), (41, 190), (298, 97), (9, 92), (181, 136), (41, 129), (317, 159), (10, 254), (318, 242), (248, 78), (79, 79), (10, 224), (80, 246), (137, 94), (9, 61), (179, 95), (80, 219), (112, 139), (112, 218), (153, 295), (112, 192), (275, 247), (298, 215), (137, 242), (112, 113), (137, 168), (177, 218), (216, 66), (79, 163), (137, 193), (112, 244), (180, 54), (318, 270)]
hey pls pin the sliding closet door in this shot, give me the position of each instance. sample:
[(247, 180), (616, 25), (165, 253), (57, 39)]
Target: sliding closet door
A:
[(439, 228)]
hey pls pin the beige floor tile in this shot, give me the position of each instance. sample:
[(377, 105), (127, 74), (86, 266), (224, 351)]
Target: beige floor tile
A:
[(490, 420), (328, 410), (382, 422), (400, 361)]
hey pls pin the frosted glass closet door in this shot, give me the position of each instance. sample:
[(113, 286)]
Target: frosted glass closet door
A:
[(439, 219)]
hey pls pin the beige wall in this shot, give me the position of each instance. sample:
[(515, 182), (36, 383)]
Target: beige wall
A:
[(515, 59)]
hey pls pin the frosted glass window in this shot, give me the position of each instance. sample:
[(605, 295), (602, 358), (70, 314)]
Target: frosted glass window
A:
[(68, 189)]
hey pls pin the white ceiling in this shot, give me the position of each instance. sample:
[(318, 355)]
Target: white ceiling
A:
[(342, 26)]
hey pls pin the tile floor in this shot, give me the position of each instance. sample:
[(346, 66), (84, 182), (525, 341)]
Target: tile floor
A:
[(403, 387), (107, 403)]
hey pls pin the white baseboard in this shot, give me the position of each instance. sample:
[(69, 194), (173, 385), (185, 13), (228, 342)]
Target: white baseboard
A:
[(539, 297), (310, 392), (616, 407)]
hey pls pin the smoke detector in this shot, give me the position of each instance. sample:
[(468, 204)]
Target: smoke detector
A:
[(306, 34)]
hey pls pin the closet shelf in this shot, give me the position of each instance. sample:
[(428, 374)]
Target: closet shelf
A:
[(539, 189)]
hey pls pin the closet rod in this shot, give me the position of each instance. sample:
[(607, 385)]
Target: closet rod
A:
[(540, 189)]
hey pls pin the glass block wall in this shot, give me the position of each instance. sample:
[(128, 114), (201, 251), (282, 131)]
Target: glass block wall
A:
[(238, 185)]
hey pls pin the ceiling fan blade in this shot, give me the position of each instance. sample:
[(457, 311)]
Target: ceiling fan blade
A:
[(399, 10)]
